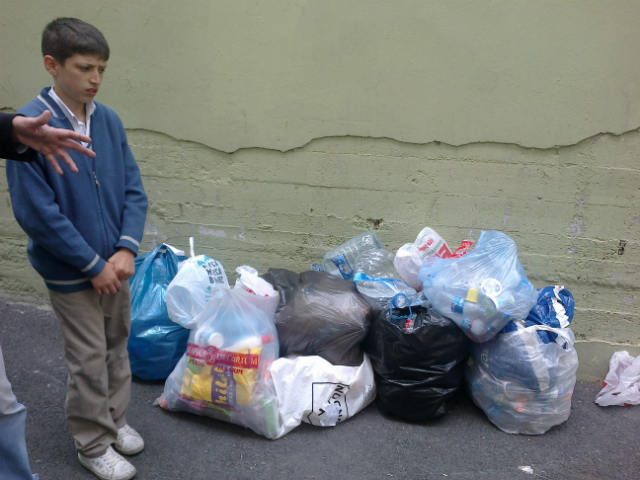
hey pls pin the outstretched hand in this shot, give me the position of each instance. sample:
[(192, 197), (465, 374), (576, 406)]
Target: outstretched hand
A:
[(50, 141)]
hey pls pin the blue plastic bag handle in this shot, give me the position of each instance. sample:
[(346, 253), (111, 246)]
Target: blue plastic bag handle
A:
[(394, 304), (136, 282)]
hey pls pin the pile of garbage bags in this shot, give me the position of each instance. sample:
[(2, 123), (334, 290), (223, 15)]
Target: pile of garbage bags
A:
[(411, 331)]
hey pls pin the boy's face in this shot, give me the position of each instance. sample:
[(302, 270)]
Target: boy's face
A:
[(78, 80)]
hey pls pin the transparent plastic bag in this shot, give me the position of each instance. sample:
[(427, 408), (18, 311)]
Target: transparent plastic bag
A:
[(622, 384), (523, 384), (483, 290), (155, 342), (224, 373), (190, 290)]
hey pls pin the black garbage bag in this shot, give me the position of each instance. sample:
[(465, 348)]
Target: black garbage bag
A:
[(320, 314), (418, 358)]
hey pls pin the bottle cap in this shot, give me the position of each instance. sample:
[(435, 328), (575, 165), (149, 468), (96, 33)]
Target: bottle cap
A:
[(215, 340), (472, 295)]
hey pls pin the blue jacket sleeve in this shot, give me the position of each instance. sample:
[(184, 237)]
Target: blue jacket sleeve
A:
[(135, 202), (8, 149), (35, 208)]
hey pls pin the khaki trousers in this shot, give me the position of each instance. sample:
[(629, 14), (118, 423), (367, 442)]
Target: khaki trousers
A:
[(95, 330)]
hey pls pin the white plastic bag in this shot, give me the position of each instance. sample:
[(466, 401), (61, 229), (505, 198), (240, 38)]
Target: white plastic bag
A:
[(314, 391), (410, 257), (190, 290), (622, 384), (224, 373), (266, 297)]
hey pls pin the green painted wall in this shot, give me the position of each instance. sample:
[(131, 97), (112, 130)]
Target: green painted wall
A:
[(272, 131)]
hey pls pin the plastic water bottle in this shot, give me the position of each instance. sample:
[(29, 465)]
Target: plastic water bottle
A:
[(471, 309), (470, 302), (376, 263), (159, 272), (341, 260)]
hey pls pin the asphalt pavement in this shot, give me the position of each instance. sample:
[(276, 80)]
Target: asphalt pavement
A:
[(594, 444)]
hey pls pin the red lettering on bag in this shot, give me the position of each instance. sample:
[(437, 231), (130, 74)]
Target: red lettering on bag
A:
[(214, 356)]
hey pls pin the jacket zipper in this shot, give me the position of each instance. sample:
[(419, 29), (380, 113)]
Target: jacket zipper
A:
[(97, 190)]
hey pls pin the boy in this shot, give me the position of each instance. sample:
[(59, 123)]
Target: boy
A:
[(20, 139), (84, 232)]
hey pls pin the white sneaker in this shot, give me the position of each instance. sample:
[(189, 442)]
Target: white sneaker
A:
[(129, 441), (109, 466)]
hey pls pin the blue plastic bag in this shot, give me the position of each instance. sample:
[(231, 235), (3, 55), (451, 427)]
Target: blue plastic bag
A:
[(554, 308), (156, 344), (483, 290)]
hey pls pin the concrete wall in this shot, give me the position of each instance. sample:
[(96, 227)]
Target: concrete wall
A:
[(272, 131)]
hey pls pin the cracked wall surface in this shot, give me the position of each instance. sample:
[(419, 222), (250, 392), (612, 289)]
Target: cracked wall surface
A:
[(277, 74), (273, 131)]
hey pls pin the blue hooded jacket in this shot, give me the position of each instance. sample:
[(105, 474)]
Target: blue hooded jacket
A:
[(76, 221)]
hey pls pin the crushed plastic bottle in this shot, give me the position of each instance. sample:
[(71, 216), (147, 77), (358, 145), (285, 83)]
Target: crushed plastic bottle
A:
[(376, 262), (340, 261), (376, 277)]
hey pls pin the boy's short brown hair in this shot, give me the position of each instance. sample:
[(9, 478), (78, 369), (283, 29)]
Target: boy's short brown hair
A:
[(64, 37)]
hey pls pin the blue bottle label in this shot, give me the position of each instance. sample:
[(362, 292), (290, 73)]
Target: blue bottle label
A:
[(345, 269), (457, 304)]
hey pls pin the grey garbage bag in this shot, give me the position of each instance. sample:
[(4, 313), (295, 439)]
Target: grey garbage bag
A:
[(320, 314)]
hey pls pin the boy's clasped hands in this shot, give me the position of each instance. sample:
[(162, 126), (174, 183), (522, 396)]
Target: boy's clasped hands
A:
[(119, 268)]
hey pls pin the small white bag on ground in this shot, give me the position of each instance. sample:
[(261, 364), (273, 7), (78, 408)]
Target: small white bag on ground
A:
[(191, 288), (622, 384), (522, 380), (312, 390)]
